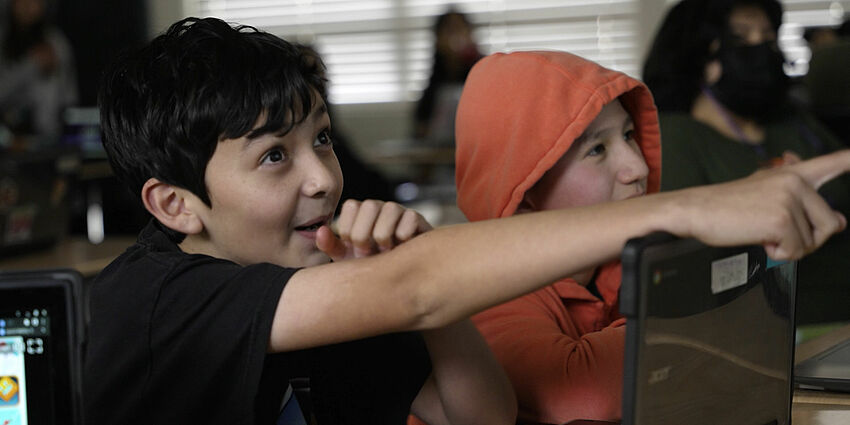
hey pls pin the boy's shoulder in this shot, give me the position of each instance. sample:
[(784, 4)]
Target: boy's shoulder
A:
[(155, 267), (166, 312)]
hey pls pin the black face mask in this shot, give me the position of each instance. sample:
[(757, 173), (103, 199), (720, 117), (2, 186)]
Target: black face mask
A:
[(753, 83)]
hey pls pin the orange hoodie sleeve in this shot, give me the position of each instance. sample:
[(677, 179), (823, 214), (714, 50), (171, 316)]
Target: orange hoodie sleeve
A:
[(564, 364), (413, 420)]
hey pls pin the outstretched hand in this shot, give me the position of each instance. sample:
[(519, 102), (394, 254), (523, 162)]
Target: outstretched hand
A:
[(368, 227), (779, 206)]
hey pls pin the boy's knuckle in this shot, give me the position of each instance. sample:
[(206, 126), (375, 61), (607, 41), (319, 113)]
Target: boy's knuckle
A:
[(382, 236), (792, 181), (392, 206), (785, 199), (404, 234), (372, 204), (360, 239), (780, 219)]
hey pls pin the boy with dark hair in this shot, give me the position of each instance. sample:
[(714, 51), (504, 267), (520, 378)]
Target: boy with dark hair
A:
[(230, 292), (224, 133)]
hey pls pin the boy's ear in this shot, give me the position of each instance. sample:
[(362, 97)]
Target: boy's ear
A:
[(169, 205)]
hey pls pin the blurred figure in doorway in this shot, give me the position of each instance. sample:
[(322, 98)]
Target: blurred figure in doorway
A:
[(455, 51), (37, 76)]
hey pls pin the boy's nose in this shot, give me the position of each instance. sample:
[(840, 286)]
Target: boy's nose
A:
[(633, 167), (319, 179)]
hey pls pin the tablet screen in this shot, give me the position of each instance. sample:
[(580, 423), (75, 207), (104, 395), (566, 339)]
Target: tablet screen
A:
[(35, 356)]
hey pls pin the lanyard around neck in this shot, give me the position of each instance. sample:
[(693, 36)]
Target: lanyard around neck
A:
[(757, 147)]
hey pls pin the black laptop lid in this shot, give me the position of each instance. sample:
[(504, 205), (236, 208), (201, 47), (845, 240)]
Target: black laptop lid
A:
[(35, 189), (828, 371), (709, 334), (40, 347)]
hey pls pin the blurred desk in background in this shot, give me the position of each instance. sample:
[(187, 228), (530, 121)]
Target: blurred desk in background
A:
[(74, 252), (411, 154), (412, 160), (820, 407), (426, 174)]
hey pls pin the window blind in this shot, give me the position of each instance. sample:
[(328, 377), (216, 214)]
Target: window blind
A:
[(802, 14), (381, 50)]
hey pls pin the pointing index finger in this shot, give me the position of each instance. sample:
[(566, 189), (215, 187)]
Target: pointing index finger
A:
[(821, 169)]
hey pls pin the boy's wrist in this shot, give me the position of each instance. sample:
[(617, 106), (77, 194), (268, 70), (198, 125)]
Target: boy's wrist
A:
[(675, 212)]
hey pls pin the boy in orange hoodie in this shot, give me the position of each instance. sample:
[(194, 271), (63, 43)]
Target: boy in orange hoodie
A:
[(551, 131), (575, 134)]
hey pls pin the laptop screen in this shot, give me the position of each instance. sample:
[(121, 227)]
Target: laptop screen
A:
[(81, 130), (709, 334), (38, 349)]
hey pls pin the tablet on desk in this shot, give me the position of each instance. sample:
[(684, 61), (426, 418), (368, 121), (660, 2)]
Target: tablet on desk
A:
[(40, 347)]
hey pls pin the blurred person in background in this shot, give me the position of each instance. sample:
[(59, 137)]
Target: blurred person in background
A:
[(826, 84), (37, 76), (716, 72), (820, 36), (455, 51)]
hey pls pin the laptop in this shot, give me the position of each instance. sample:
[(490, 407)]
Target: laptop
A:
[(81, 131), (41, 336), (709, 334), (828, 371), (35, 188)]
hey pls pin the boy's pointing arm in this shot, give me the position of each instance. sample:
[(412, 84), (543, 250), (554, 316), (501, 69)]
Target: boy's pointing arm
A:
[(452, 272)]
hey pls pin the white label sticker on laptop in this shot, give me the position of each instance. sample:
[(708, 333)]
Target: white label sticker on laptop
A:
[(728, 273)]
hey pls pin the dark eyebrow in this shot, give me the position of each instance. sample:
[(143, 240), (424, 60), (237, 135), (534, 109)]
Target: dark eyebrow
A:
[(319, 109), (584, 137)]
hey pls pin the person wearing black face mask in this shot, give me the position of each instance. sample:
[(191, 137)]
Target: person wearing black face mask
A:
[(717, 75), (752, 83)]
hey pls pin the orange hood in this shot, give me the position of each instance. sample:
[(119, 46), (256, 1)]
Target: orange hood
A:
[(520, 112)]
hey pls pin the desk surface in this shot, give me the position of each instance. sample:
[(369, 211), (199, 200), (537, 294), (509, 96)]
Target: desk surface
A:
[(74, 252), (820, 407)]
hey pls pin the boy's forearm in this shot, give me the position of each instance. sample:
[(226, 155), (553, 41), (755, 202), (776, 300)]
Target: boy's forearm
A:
[(450, 273), (453, 272), (485, 263), (471, 386), (490, 262)]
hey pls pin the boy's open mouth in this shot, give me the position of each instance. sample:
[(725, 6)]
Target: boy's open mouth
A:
[(313, 225)]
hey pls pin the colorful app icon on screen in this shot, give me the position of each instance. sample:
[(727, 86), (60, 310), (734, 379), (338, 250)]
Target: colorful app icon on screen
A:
[(8, 391)]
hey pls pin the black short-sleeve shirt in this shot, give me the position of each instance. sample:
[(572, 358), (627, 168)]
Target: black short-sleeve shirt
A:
[(182, 338)]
